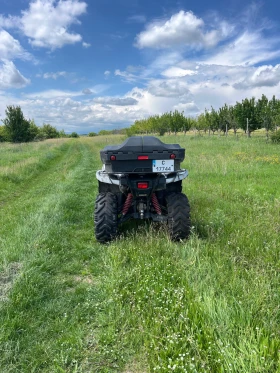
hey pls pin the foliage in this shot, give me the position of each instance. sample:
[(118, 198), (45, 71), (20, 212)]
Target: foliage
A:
[(16, 126), (33, 130), (18, 129), (275, 136), (201, 123), (74, 134), (41, 136), (3, 134), (104, 132), (49, 131), (62, 134), (92, 134), (262, 113), (227, 119), (167, 122)]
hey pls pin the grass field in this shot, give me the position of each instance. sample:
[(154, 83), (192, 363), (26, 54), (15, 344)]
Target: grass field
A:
[(142, 303)]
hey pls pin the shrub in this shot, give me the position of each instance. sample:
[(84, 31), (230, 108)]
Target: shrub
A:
[(3, 134), (275, 136), (74, 134), (104, 133), (49, 131)]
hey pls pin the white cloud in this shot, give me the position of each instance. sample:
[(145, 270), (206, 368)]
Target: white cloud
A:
[(52, 93), (80, 116), (182, 29), (10, 77), (9, 22), (247, 49), (263, 76), (10, 48), (87, 91), (56, 93), (86, 45), (174, 71), (161, 62), (217, 74), (54, 75), (188, 108), (168, 88), (46, 23), (129, 77), (69, 102), (117, 101)]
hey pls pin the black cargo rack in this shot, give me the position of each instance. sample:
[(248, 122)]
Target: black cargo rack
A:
[(124, 158)]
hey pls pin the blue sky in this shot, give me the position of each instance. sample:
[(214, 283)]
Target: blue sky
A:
[(90, 65)]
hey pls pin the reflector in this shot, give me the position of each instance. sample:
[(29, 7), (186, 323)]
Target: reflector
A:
[(143, 185), (142, 157)]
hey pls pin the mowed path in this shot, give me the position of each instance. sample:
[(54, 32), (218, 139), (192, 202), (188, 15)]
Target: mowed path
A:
[(46, 242)]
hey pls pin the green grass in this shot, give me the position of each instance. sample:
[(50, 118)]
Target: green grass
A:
[(141, 303)]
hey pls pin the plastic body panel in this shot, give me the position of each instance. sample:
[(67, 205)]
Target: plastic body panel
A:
[(127, 155)]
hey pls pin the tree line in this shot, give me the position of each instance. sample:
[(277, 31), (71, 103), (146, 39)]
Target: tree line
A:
[(249, 115), (16, 128)]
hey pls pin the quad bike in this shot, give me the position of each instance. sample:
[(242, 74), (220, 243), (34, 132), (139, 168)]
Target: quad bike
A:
[(141, 179)]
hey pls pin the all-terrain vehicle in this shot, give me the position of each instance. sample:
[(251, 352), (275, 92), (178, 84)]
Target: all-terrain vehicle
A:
[(141, 179)]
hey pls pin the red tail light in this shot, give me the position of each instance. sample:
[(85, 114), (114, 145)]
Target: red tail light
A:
[(143, 185), (113, 157), (142, 157), (172, 156)]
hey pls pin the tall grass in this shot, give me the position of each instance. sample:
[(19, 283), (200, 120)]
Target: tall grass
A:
[(144, 303)]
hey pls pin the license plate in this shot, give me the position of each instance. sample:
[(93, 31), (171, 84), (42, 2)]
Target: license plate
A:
[(163, 165)]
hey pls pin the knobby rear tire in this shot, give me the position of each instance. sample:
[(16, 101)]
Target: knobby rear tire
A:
[(106, 217), (178, 211)]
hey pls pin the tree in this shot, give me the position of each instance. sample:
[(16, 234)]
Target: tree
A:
[(74, 134), (265, 113), (177, 121), (49, 131), (92, 134), (188, 123), (223, 113), (3, 134), (227, 119), (274, 105), (33, 130), (212, 120), (163, 124), (247, 111), (16, 126), (201, 123), (62, 134), (232, 119)]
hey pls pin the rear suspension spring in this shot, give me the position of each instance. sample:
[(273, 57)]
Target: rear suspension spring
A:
[(127, 203), (156, 204)]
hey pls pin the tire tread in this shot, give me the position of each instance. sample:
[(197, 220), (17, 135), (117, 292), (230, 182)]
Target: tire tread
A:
[(106, 217), (178, 210)]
